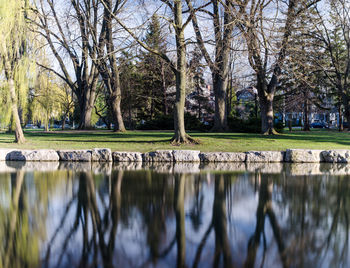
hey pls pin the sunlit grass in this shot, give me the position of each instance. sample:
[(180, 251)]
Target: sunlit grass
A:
[(152, 140)]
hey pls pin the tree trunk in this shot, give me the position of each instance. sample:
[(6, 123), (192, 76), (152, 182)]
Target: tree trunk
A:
[(180, 135), (220, 87), (266, 107), (266, 96), (229, 93), (290, 124), (117, 113), (85, 121), (64, 122), (116, 97), (110, 70), (47, 126), (86, 104), (220, 67), (19, 136)]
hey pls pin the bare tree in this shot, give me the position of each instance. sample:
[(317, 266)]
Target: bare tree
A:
[(179, 69), (267, 41), (223, 30), (68, 36), (95, 44), (106, 61), (334, 34)]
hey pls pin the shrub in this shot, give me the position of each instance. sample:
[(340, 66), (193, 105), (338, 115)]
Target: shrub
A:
[(166, 122), (252, 125), (279, 126), (158, 123)]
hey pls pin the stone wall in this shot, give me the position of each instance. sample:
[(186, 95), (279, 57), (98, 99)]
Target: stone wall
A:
[(177, 156)]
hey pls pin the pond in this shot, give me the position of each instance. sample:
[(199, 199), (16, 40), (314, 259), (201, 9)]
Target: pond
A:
[(165, 215)]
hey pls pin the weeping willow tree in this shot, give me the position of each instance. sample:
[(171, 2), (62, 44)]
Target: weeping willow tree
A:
[(15, 64), (45, 101)]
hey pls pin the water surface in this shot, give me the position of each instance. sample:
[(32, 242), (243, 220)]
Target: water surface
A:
[(130, 215)]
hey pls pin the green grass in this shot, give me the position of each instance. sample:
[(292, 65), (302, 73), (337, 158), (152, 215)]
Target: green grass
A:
[(144, 141)]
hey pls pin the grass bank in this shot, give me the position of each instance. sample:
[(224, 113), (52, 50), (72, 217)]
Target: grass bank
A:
[(144, 141)]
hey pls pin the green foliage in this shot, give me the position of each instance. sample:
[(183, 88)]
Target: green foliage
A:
[(46, 97), (134, 96), (233, 100), (5, 107), (279, 127), (102, 109), (16, 62), (250, 125), (193, 123), (165, 122), (156, 74)]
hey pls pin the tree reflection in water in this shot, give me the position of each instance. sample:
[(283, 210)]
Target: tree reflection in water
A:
[(155, 219), (265, 209), (222, 245), (179, 207)]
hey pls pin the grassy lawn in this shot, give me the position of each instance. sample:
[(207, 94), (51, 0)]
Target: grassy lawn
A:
[(152, 140)]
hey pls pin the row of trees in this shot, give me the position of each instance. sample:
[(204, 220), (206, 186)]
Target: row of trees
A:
[(109, 63)]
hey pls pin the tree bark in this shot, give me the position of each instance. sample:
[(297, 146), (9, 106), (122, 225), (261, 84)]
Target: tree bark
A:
[(220, 88), (266, 108), (180, 135), (117, 113), (116, 97), (85, 112), (110, 70), (19, 136), (64, 121), (47, 120), (220, 65)]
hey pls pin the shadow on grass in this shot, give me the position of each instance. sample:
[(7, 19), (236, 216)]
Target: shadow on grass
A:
[(111, 141), (9, 141), (107, 135), (317, 137)]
